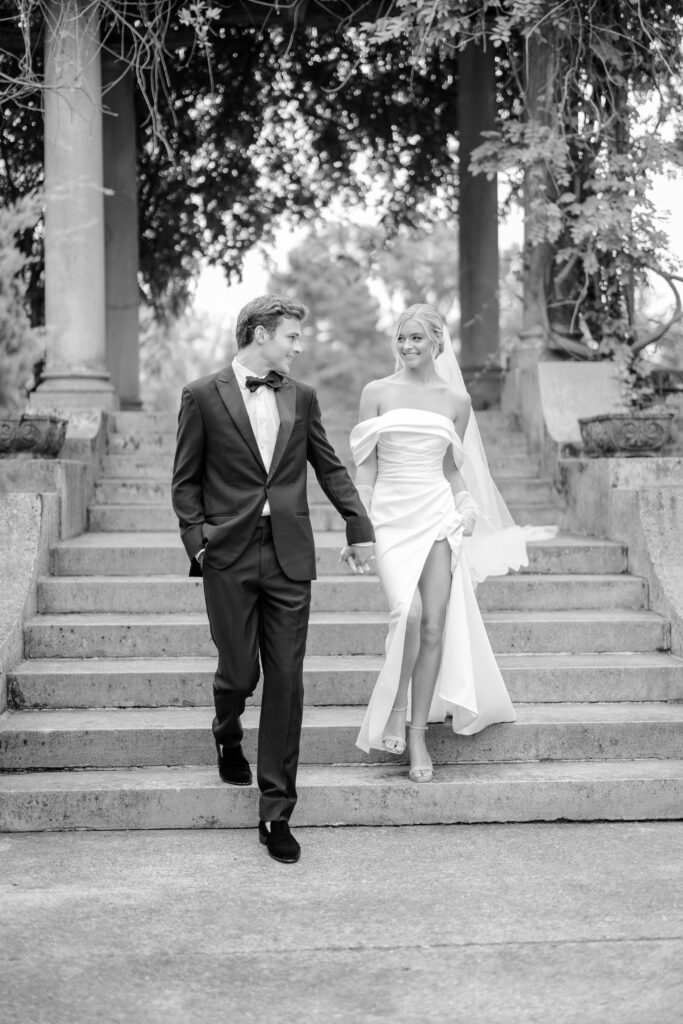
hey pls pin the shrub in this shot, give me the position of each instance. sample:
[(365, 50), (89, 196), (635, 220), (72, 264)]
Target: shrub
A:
[(21, 344)]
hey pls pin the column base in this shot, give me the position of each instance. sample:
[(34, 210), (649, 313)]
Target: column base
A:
[(485, 386), (86, 392)]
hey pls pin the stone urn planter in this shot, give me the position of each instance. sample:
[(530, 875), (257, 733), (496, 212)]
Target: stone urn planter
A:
[(625, 434), (31, 436)]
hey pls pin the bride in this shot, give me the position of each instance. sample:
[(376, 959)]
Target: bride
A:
[(441, 527)]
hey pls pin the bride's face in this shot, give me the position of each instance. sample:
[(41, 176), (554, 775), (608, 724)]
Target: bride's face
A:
[(413, 344)]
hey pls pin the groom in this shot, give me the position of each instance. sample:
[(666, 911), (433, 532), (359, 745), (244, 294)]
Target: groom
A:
[(239, 491)]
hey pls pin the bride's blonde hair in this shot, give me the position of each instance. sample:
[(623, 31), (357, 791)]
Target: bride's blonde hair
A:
[(432, 322)]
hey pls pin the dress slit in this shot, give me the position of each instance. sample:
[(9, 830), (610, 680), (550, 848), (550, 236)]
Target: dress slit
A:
[(386, 687)]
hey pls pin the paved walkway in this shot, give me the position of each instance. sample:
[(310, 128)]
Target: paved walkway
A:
[(552, 923)]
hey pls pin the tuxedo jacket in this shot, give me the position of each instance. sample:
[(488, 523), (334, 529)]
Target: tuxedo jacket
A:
[(220, 483)]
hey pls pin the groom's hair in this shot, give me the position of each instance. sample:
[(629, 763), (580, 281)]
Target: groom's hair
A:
[(266, 311)]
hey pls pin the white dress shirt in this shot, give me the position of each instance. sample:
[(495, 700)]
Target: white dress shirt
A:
[(263, 415)]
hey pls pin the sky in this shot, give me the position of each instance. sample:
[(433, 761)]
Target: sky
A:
[(222, 302)]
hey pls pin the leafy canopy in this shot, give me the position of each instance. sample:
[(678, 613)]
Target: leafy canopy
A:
[(590, 96), (259, 124)]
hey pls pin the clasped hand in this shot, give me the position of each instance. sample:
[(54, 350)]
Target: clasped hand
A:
[(357, 557)]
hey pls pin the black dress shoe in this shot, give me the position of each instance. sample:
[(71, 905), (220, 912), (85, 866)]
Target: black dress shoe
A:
[(280, 842), (233, 766)]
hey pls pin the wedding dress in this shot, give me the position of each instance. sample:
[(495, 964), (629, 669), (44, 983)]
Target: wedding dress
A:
[(412, 506)]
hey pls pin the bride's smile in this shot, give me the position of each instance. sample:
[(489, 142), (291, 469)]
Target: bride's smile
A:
[(416, 349), (413, 342)]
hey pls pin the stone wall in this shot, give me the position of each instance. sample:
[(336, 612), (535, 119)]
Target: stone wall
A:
[(29, 525), (41, 501), (638, 501)]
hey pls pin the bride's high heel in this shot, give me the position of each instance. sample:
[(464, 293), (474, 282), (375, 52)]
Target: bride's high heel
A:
[(420, 772), (396, 744)]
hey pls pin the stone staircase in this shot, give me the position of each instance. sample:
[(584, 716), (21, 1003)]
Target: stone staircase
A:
[(109, 724)]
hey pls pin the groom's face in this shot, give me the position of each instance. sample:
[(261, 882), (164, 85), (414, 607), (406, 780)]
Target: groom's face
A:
[(280, 349)]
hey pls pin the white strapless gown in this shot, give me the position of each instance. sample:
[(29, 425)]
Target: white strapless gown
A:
[(412, 507)]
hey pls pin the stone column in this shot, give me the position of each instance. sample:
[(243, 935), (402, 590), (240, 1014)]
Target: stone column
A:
[(121, 231), (478, 227), (75, 374)]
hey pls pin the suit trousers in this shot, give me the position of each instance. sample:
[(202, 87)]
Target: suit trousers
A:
[(254, 608)]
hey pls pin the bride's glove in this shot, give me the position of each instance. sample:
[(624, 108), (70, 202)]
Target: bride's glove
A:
[(365, 495), (466, 506)]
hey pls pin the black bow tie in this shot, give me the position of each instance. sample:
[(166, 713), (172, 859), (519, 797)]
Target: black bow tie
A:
[(271, 380)]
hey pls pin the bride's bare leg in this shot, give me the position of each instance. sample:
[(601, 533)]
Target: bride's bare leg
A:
[(434, 587), (395, 728)]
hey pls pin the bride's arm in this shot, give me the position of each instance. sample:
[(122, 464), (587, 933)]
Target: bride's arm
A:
[(452, 474), (465, 505), (366, 473), (462, 410), (464, 502), (462, 406)]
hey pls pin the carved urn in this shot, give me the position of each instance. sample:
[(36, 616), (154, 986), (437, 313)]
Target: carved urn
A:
[(625, 434), (32, 435)]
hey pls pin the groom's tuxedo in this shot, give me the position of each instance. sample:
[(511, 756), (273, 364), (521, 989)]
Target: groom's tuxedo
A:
[(257, 570)]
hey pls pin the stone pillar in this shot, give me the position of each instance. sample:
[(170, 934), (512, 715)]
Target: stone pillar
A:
[(75, 373), (478, 229), (121, 231), (541, 72)]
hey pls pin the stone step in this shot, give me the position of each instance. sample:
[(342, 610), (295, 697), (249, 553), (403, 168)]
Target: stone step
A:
[(161, 553), (496, 419), (533, 514), (131, 421), (179, 682), (159, 466), (493, 422), (186, 634), (135, 737), (137, 491), (94, 594), (187, 682), (144, 465), (139, 447), (324, 518), (372, 795), (134, 442)]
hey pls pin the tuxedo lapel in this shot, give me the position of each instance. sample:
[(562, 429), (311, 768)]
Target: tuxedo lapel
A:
[(231, 396), (286, 407)]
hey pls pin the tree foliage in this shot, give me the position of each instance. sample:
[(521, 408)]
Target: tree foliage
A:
[(178, 349), (588, 93), (20, 344), (342, 340), (261, 123), (270, 142), (239, 125), (357, 279)]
